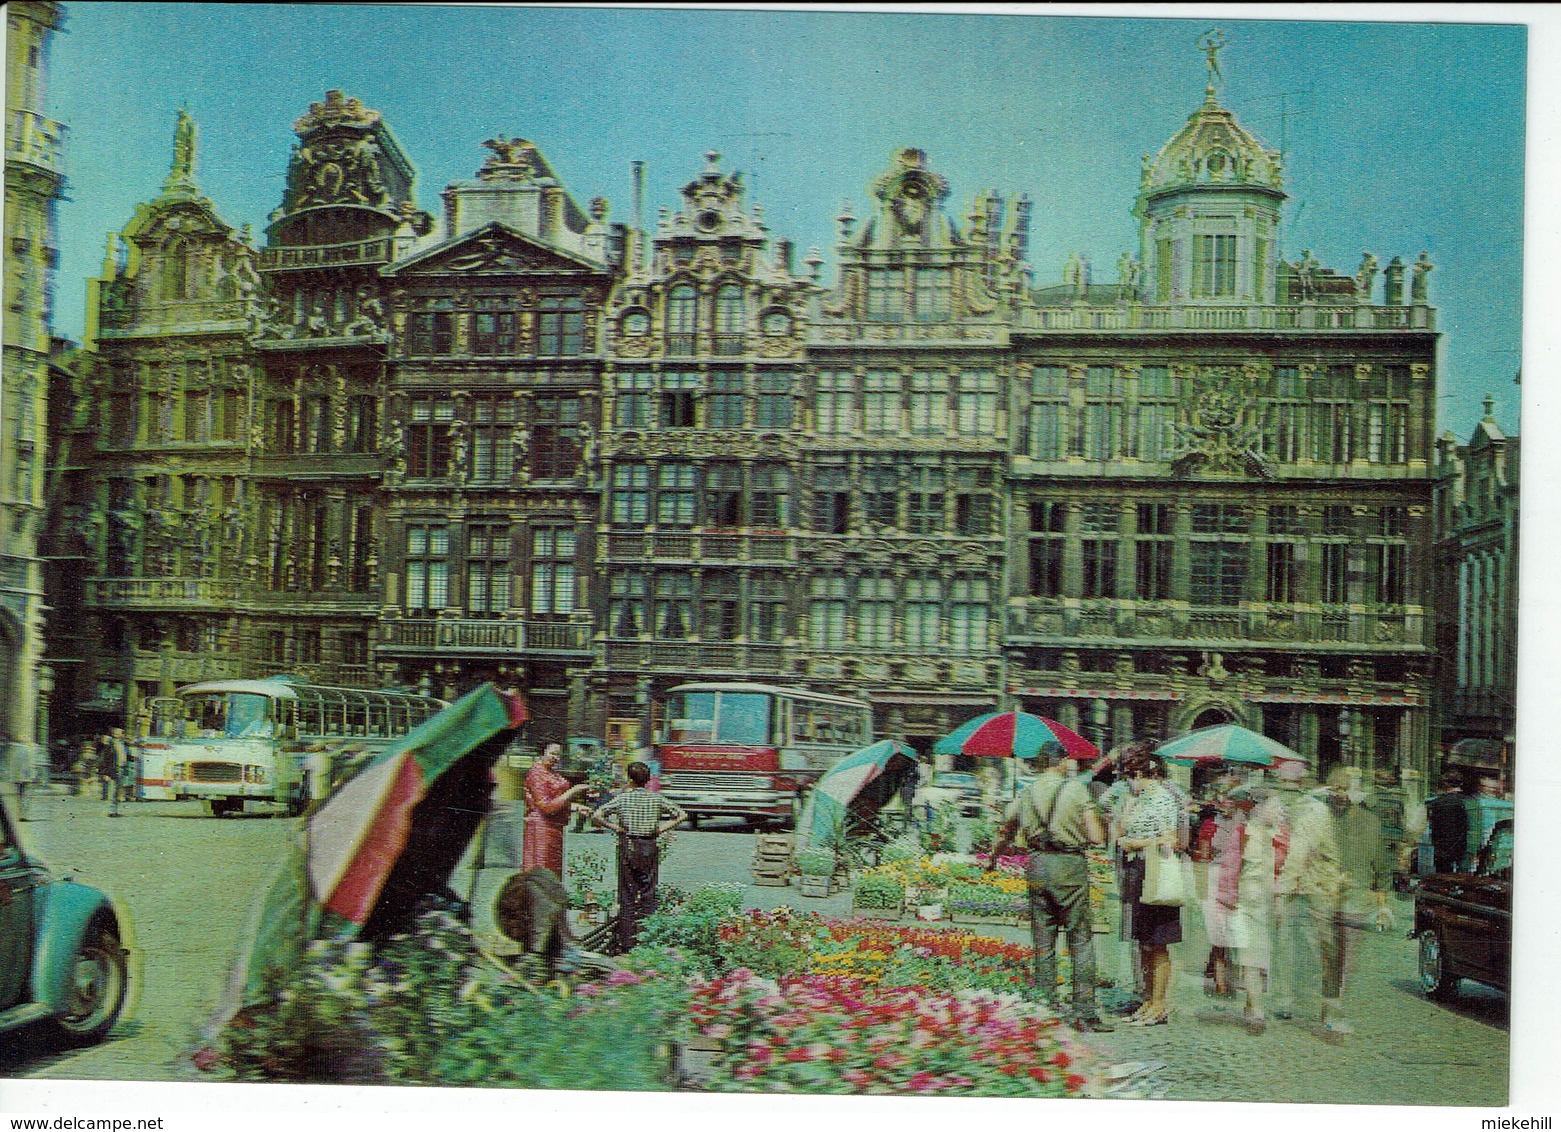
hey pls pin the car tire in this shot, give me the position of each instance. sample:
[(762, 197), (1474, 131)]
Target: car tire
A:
[(1436, 980), (98, 986)]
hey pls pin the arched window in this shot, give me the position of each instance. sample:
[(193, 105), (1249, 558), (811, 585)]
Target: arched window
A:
[(636, 323), (682, 320), (730, 316)]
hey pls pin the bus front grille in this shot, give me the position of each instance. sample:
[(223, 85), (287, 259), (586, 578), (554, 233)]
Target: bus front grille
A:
[(216, 772)]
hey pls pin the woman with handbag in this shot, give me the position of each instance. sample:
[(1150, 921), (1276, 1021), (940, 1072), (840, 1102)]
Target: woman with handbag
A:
[(1156, 878)]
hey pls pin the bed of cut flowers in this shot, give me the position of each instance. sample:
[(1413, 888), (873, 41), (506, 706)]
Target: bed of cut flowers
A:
[(821, 1034), (1006, 880)]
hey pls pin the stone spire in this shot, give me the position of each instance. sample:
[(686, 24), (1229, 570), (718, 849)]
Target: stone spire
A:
[(181, 175)]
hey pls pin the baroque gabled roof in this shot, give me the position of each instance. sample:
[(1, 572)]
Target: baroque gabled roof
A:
[(1212, 149)]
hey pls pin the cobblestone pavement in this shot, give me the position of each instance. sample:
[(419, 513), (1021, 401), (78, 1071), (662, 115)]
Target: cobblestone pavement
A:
[(191, 883)]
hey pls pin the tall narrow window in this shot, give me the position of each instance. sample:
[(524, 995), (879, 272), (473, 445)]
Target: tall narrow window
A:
[(431, 332), (1100, 567), (1214, 266), (1335, 573), (827, 610), (767, 607), (885, 294), (487, 569), (675, 495), (361, 549), (560, 326), (626, 603), (1391, 573), (682, 321), (875, 611), (880, 497), (1280, 584), (968, 612), (1045, 431), (674, 604), (197, 416), (631, 494), (730, 320), (723, 496), (774, 409), (317, 424), (555, 437), (493, 449), (634, 406), (923, 610), (835, 401), (976, 411), (428, 439), (881, 401), (831, 501), (719, 618), (1046, 567), (771, 492), (427, 567), (282, 434), (929, 403), (362, 423), (677, 399), (1153, 569), (933, 293), (552, 570), (494, 332), (725, 404), (1219, 572)]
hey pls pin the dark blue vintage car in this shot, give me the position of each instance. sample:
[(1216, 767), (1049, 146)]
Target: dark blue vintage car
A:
[(1464, 921), (63, 957)]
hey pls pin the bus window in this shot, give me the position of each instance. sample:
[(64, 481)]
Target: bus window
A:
[(743, 719), (248, 717), (691, 718)]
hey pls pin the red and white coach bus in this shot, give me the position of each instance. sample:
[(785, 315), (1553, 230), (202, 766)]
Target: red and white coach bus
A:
[(751, 750)]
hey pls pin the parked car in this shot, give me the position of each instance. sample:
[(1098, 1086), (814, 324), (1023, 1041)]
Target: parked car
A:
[(1464, 921), (63, 959)]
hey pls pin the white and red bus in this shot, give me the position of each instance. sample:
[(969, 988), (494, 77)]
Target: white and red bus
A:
[(751, 750)]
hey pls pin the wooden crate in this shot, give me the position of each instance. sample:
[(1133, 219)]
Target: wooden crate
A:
[(973, 918), (876, 913), (817, 886)]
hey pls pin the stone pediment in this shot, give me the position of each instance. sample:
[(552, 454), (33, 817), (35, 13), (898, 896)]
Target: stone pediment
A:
[(493, 250)]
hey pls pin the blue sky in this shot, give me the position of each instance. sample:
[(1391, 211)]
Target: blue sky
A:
[(1399, 137)]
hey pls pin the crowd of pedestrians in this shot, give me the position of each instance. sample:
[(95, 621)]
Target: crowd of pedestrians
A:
[(1288, 875)]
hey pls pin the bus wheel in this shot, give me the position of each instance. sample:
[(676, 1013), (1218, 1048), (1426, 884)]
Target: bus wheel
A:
[(222, 807)]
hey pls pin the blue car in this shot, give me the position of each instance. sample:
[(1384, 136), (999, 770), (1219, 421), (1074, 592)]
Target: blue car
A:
[(63, 959)]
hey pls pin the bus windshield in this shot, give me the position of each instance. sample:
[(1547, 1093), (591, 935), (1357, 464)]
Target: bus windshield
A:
[(736, 718), (230, 715)]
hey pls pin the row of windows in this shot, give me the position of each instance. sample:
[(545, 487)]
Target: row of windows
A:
[(1218, 572), (677, 494), (486, 569), (1338, 520), (309, 424), (923, 403), (873, 610), (299, 545), (306, 646), (689, 399), (492, 442), (559, 322), (194, 416)]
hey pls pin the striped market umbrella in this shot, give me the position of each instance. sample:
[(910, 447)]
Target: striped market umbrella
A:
[(1013, 734), (1226, 743), (386, 837), (837, 789), (358, 836)]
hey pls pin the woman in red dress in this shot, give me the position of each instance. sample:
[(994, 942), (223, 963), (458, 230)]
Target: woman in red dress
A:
[(548, 799)]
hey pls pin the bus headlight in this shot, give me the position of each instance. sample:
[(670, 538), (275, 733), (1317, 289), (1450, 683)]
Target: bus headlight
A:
[(255, 774)]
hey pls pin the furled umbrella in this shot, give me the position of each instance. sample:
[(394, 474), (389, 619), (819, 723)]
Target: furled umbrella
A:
[(1226, 742), (1013, 734), (825, 814)]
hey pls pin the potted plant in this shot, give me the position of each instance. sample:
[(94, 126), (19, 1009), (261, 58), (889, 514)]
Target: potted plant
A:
[(879, 896), (587, 886), (816, 869)]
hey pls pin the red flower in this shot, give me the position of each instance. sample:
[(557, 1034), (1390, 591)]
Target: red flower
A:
[(1041, 1073), (1062, 1060), (1075, 1082)]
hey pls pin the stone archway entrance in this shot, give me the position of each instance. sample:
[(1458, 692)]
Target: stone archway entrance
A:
[(1212, 717)]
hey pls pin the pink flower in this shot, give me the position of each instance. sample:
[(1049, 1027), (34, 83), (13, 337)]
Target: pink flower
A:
[(861, 1078), (622, 978), (922, 1082), (719, 1030)]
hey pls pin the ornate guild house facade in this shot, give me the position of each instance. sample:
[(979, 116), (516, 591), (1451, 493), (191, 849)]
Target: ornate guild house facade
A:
[(518, 442)]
